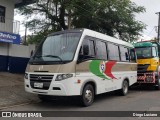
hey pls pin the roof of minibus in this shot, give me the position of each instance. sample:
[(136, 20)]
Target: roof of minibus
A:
[(67, 31), (106, 37), (95, 34)]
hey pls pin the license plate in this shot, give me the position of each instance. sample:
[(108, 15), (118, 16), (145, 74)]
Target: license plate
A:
[(38, 85)]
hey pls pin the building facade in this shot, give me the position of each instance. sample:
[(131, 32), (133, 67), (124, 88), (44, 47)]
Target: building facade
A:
[(13, 56)]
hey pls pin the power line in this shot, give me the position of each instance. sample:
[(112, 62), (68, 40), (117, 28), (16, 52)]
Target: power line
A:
[(151, 31)]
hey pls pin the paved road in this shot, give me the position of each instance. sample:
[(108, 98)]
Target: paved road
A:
[(138, 99)]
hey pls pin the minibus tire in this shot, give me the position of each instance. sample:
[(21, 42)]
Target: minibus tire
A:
[(125, 88), (87, 97)]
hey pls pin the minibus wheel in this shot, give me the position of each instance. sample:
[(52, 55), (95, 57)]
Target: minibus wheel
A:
[(125, 87), (87, 97)]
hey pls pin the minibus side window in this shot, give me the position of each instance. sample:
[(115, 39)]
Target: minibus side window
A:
[(101, 50), (124, 54), (113, 52)]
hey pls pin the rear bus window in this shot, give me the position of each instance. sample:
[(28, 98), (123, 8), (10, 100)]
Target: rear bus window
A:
[(124, 54), (101, 50), (113, 52)]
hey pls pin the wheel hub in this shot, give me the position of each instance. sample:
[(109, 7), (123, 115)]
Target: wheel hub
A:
[(125, 87), (88, 96)]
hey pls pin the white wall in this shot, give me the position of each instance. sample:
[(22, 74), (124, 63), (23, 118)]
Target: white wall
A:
[(4, 49), (8, 25), (20, 50), (14, 50)]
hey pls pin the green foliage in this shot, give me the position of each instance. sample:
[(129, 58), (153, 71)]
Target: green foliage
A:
[(111, 17), (38, 37)]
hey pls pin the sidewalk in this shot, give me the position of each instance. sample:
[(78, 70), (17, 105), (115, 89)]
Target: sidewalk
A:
[(12, 90)]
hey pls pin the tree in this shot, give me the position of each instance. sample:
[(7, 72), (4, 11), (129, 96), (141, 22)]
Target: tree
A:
[(111, 17)]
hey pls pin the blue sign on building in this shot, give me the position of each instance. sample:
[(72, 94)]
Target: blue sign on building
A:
[(9, 38)]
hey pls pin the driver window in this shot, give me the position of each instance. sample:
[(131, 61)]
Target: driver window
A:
[(154, 52), (87, 48)]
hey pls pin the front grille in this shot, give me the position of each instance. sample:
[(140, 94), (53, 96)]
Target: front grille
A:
[(141, 74), (147, 77), (45, 80), (143, 68)]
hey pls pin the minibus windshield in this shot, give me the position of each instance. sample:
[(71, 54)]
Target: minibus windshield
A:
[(57, 49)]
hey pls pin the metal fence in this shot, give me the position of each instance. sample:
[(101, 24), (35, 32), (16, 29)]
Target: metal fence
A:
[(9, 25)]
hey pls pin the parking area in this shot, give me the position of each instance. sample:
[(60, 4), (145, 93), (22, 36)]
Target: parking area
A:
[(12, 91), (14, 98)]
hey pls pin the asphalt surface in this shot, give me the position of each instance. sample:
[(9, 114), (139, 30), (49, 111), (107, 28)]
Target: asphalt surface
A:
[(12, 90), (14, 98), (138, 99)]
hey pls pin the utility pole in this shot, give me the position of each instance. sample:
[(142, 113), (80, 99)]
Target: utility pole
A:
[(25, 37), (158, 36)]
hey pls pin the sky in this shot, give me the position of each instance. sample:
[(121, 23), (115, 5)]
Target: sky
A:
[(149, 18)]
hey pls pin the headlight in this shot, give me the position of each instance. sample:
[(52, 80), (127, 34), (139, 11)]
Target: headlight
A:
[(63, 76), (26, 76)]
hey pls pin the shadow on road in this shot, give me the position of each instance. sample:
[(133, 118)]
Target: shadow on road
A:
[(73, 102), (148, 88)]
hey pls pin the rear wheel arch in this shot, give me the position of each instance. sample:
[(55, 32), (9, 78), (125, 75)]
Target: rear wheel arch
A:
[(124, 87)]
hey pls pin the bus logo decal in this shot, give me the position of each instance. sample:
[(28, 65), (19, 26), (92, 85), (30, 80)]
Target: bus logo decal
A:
[(102, 66), (102, 69)]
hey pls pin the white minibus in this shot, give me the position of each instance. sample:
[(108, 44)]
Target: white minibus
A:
[(81, 62)]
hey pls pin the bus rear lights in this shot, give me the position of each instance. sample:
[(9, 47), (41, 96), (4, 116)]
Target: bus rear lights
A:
[(63, 76)]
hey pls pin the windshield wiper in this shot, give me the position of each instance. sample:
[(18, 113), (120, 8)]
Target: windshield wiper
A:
[(52, 56)]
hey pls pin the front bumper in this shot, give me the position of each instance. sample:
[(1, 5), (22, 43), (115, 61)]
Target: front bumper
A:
[(67, 87)]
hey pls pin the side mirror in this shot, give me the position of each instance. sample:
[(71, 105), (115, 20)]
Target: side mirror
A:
[(85, 50)]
